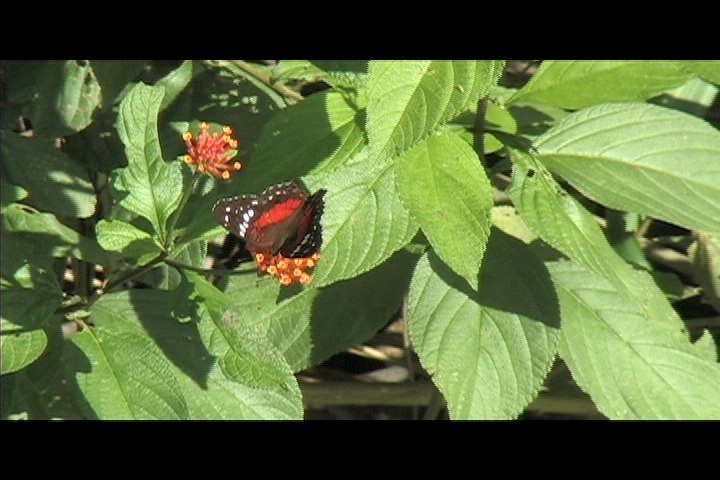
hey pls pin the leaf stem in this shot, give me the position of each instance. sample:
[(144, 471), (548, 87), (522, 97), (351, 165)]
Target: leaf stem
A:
[(134, 273), (206, 271)]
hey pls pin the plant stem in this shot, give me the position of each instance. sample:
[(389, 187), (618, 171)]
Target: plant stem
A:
[(256, 74), (186, 196), (437, 402), (479, 130), (643, 228)]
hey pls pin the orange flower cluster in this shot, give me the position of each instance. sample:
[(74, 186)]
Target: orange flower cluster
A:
[(287, 270), (212, 153)]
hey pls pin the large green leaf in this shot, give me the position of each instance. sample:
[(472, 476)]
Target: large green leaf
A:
[(323, 132), (46, 233), (442, 183), (641, 158), (312, 324), (364, 221), (244, 355), (122, 373), (408, 100), (208, 393), (635, 316), (488, 351), (632, 367), (566, 226), (55, 182), (577, 84), (147, 186)]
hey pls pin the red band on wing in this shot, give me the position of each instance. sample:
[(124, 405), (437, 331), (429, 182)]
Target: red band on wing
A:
[(279, 212)]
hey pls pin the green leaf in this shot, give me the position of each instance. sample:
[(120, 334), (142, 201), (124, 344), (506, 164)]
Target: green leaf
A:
[(706, 346), (322, 132), (488, 351), (208, 393), (243, 355), (566, 226), (442, 182), (576, 84), (148, 186), (122, 373), (498, 121), (695, 97), (55, 182), (130, 241), (167, 277), (47, 234), (632, 367), (19, 348), (309, 325), (640, 158), (44, 390), (707, 69), (10, 193), (223, 399), (343, 73), (408, 100), (175, 82), (288, 70), (534, 119), (80, 95), (114, 77), (29, 296), (59, 97), (364, 221)]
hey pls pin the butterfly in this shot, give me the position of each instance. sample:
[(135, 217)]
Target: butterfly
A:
[(283, 220)]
